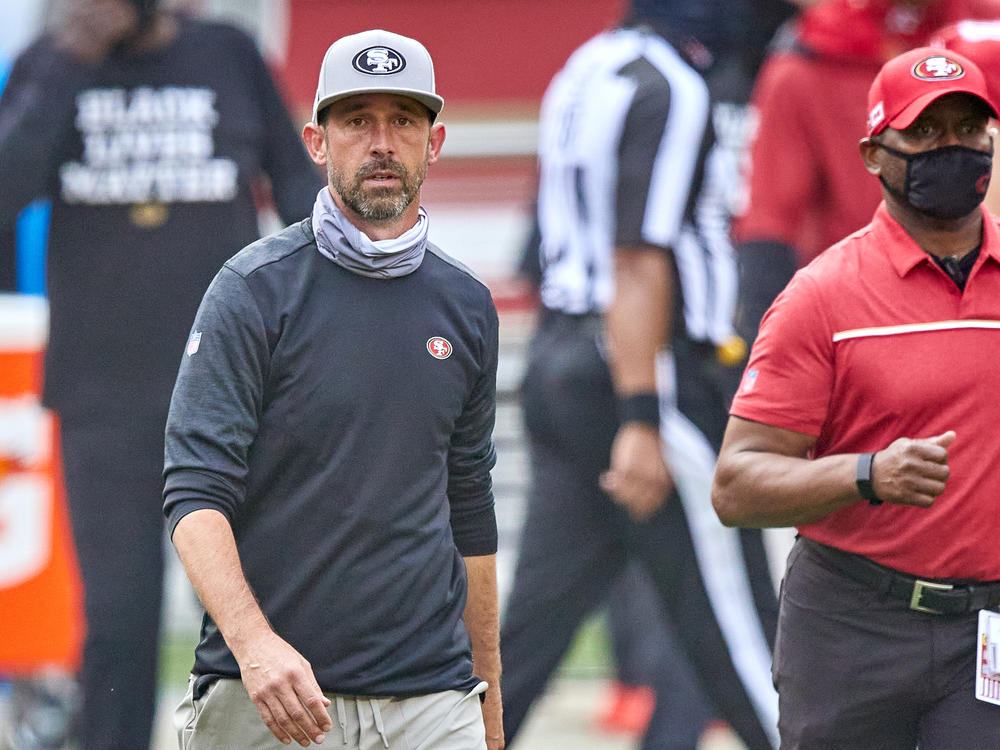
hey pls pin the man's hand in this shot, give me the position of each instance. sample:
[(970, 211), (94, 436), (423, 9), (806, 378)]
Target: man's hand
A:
[(482, 620), (91, 28), (279, 680), (492, 708), (912, 472), (637, 478), (282, 686)]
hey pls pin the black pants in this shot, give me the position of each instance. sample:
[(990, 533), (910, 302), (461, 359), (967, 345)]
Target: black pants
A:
[(646, 653), (576, 541), (857, 671), (114, 492)]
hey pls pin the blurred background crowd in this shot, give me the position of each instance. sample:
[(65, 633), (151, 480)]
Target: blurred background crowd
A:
[(788, 82)]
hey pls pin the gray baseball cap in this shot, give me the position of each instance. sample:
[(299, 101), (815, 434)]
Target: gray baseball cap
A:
[(377, 62)]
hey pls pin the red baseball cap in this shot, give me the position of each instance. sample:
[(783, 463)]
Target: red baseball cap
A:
[(908, 83)]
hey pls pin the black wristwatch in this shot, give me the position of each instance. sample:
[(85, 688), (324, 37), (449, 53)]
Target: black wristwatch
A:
[(864, 479)]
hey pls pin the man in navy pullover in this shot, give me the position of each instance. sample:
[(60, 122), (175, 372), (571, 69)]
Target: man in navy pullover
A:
[(329, 447)]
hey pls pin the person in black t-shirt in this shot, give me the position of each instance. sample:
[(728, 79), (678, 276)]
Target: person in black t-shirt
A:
[(148, 131)]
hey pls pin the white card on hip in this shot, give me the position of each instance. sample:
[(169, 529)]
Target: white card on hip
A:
[(988, 663)]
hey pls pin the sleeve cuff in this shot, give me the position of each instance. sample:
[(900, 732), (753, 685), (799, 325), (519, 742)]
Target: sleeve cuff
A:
[(475, 533)]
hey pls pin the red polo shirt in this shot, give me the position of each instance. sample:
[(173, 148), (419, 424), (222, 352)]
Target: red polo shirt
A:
[(871, 342)]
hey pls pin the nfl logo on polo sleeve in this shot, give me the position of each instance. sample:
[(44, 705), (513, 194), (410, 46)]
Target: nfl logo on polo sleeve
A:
[(194, 341)]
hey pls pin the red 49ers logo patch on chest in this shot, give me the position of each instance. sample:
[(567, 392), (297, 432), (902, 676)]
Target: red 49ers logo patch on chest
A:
[(439, 348)]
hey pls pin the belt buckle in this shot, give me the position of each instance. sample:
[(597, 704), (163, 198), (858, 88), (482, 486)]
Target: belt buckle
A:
[(918, 593)]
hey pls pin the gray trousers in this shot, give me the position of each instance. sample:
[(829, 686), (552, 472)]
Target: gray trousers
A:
[(225, 717), (856, 670)]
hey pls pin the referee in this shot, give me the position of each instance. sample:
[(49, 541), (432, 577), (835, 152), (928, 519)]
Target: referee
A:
[(624, 395)]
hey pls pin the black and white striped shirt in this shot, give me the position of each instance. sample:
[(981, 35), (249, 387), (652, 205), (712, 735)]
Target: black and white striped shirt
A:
[(626, 160)]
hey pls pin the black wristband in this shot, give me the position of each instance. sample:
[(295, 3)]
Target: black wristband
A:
[(640, 407), (863, 479)]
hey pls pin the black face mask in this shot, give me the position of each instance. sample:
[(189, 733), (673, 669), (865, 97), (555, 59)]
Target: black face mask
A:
[(944, 183)]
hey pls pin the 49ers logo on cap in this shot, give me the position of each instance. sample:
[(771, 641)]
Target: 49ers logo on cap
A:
[(938, 68), (438, 347), (378, 61)]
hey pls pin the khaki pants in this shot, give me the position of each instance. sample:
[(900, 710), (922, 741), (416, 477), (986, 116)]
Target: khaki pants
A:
[(225, 718)]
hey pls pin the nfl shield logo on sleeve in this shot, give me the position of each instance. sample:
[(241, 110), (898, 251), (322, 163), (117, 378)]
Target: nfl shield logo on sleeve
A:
[(749, 381), (194, 341)]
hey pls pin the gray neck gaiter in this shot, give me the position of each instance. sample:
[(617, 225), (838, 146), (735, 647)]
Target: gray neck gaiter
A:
[(349, 247)]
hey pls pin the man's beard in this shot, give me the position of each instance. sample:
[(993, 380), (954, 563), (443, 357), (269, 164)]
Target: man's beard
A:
[(378, 203)]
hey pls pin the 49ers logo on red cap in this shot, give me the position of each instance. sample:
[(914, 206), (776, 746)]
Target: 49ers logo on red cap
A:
[(938, 68), (438, 347)]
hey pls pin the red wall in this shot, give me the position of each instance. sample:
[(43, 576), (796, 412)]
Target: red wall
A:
[(488, 54)]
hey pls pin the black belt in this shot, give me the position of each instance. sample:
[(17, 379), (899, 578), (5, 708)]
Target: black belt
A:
[(922, 595)]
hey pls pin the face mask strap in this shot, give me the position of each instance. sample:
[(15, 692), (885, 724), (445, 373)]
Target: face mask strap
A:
[(894, 151), (897, 194)]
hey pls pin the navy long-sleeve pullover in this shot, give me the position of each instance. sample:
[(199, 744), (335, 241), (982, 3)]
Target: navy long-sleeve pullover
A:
[(343, 424)]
